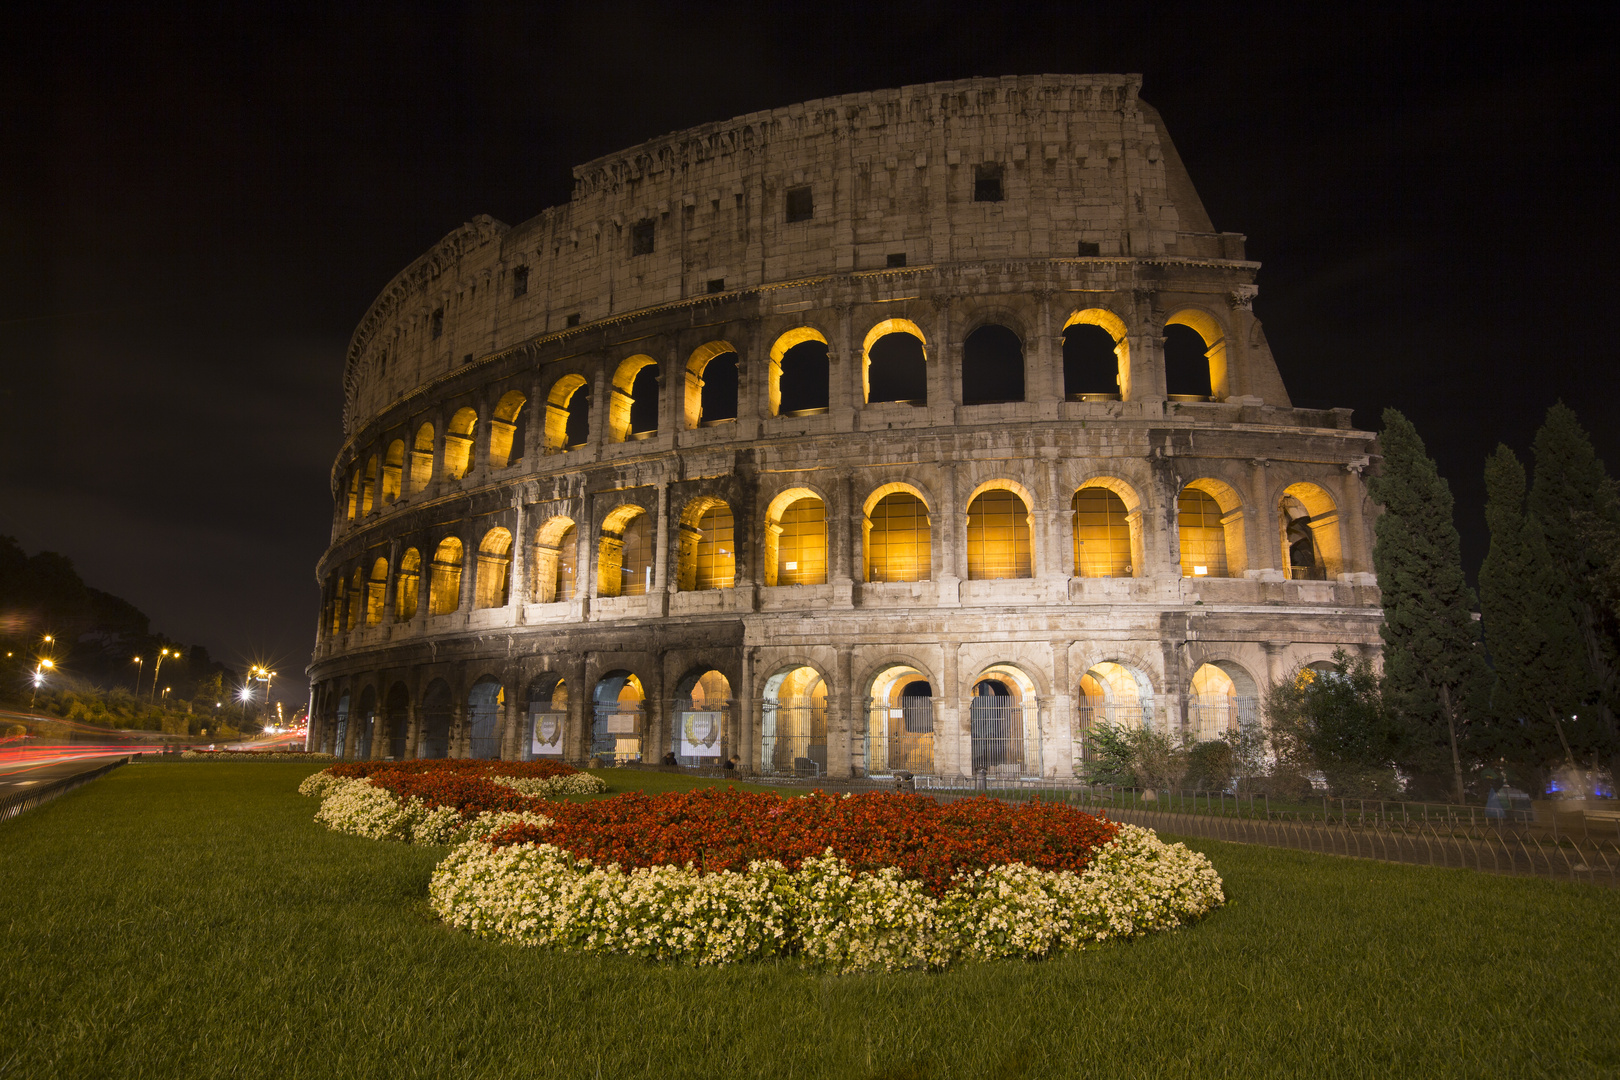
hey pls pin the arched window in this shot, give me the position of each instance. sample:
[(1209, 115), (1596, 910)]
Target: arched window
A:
[(900, 722), (711, 385), (624, 561), (898, 543), (568, 420), (354, 492), (1195, 357), (992, 366), (484, 706), (798, 376), (357, 599), (1211, 704), (1308, 523), (376, 590), (458, 443), (494, 585), (1096, 356), (368, 486), (708, 551), (617, 717), (796, 539), (1203, 534), (507, 430), (444, 587), (895, 363), (998, 543), (422, 459), (633, 408), (1102, 534), (335, 601), (393, 470), (437, 705), (408, 590), (555, 558)]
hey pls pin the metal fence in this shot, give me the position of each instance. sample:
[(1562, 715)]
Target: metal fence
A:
[(18, 801)]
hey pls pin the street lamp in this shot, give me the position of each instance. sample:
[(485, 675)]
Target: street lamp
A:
[(140, 667), (45, 664), (159, 667)]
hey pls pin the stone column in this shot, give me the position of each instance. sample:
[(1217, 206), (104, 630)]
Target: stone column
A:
[(843, 520), (953, 731), (512, 721), (950, 533), (518, 572), (1265, 549), (577, 735), (657, 713), (839, 726), (1274, 651), (436, 484), (747, 734), (1354, 542), (658, 603), (944, 361), (1043, 380), (413, 719), (469, 570), (1061, 711)]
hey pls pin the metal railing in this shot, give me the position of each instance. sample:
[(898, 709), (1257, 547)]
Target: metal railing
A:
[(18, 801)]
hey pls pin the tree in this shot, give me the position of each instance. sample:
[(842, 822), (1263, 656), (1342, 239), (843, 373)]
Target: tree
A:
[(1575, 501), (1335, 721), (1434, 670), (1542, 678)]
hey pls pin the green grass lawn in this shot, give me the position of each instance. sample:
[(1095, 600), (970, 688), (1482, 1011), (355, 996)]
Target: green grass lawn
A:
[(190, 920)]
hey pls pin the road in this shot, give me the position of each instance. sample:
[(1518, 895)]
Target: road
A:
[(39, 769)]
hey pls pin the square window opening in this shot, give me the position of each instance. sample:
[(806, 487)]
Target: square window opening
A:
[(717, 284), (800, 204), (573, 320), (520, 281), (641, 237), (896, 261), (987, 182)]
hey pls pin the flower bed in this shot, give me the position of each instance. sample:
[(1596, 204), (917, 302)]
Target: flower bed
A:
[(430, 801)]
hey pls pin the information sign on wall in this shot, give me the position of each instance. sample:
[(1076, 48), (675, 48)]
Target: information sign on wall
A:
[(699, 734), (546, 731)]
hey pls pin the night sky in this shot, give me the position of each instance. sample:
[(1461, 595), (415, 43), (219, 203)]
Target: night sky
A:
[(199, 204)]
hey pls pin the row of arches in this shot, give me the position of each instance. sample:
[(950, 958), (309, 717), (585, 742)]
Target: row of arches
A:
[(894, 362), (897, 545)]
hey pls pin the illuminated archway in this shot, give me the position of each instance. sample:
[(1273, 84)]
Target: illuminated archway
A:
[(707, 546), (1096, 356), (393, 470), (407, 589), (992, 365), (422, 459), (485, 704), (1308, 533), (458, 443), (444, 584), (507, 430), (1213, 335), (556, 557), (999, 531), (796, 539), (568, 422), (1209, 528), (633, 405), (1003, 721), (368, 486), (900, 721), (617, 717), (494, 585), (793, 723), (1221, 697), (702, 719), (797, 377), (711, 384), (437, 708), (896, 535), (624, 559), (899, 369), (376, 588)]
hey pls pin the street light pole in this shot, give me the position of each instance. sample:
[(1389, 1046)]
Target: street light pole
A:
[(157, 668), (140, 668)]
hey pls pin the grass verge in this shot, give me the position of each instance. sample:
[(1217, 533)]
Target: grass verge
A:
[(194, 921)]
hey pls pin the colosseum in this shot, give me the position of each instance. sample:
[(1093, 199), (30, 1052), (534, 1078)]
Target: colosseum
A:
[(917, 430)]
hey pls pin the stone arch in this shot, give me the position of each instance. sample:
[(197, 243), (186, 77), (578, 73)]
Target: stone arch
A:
[(408, 585), (793, 720), (624, 558), (703, 717), (902, 365), (1004, 720), (397, 720), (796, 538), (901, 699), (458, 443), (422, 459), (507, 430), (1208, 327), (486, 701), (706, 556), (707, 399), (546, 701), (393, 470), (340, 733), (368, 486), (376, 590), (1084, 379), (617, 716), (1221, 696), (438, 707), (357, 599), (1308, 533), (636, 377), (493, 587), (444, 583), (897, 541), (568, 414), (556, 560), (1209, 529), (805, 372), (992, 365), (1106, 529), (364, 721), (1000, 531)]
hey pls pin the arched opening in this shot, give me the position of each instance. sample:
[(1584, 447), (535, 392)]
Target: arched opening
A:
[(422, 459), (900, 722), (1103, 534), (458, 443), (494, 585), (708, 550), (357, 599), (444, 586), (1222, 697), (624, 560), (556, 555), (1096, 357), (711, 385), (894, 363), (616, 717), (397, 720), (366, 724), (701, 718), (796, 539), (568, 422), (340, 743), (354, 493), (992, 366), (1308, 527), (633, 407), (998, 536), (484, 704), (897, 539), (1114, 694), (376, 593), (548, 716), (437, 707), (393, 470), (798, 377), (407, 590), (507, 430), (793, 723), (1002, 727), (368, 486), (1209, 525), (1194, 357)]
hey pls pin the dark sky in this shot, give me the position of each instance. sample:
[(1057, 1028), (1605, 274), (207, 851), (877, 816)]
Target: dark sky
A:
[(199, 203)]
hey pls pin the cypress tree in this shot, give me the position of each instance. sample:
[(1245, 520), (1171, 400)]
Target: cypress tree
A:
[(1575, 502), (1535, 646), (1434, 670)]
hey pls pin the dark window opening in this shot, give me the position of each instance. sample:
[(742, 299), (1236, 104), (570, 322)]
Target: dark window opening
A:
[(992, 366), (520, 281), (897, 371), (987, 182), (520, 435), (718, 399), (717, 284), (1186, 368), (896, 261), (644, 401), (438, 322), (1302, 561), (573, 320), (800, 204), (993, 726), (1090, 247), (578, 431), (917, 706), (641, 238), (467, 359), (804, 379), (1090, 365)]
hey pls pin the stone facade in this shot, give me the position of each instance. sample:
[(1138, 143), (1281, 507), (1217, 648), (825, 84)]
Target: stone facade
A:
[(1043, 205)]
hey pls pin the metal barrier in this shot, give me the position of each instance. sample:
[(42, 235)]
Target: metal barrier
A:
[(18, 801)]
